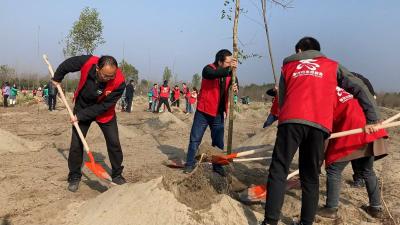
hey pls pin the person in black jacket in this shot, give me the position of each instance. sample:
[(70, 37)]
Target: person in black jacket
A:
[(94, 102), (129, 91), (52, 98)]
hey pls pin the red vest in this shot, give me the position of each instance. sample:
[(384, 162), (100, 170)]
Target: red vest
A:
[(275, 106), (164, 92), (310, 91), (110, 87), (177, 93), (192, 99), (208, 98), (348, 115)]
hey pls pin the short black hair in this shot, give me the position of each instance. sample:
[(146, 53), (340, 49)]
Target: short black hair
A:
[(307, 43), (107, 60), (221, 55)]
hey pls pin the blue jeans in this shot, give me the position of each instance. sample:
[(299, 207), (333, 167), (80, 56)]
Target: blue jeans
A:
[(364, 167), (187, 106), (270, 120), (154, 105), (200, 123)]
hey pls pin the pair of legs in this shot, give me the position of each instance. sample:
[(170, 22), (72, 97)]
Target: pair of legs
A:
[(12, 100), (200, 123), (176, 102), (165, 102), (52, 101), (310, 142), (5, 100), (129, 104), (75, 158), (363, 167)]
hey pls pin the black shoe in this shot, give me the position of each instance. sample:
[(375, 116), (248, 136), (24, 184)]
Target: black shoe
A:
[(358, 182), (375, 212), (220, 170), (188, 169), (327, 212), (73, 185), (120, 180)]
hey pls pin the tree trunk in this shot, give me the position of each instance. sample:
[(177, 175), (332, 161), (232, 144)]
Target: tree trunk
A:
[(235, 56)]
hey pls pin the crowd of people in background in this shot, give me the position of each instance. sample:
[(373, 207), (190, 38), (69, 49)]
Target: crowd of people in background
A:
[(164, 95), (47, 94)]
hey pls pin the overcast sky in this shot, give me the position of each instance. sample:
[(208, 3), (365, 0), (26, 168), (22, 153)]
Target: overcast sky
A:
[(184, 35)]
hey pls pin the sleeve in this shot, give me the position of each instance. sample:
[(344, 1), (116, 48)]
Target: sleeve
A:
[(210, 74), (91, 112), (356, 87), (281, 91), (70, 65)]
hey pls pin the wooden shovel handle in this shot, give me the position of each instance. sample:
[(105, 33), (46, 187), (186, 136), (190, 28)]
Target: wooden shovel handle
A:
[(60, 91), (361, 130), (393, 118)]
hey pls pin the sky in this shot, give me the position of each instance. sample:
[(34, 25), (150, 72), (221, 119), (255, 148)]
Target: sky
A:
[(185, 35)]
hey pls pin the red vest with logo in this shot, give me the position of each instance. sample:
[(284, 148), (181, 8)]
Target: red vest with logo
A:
[(164, 92), (310, 91), (177, 93), (348, 115), (110, 87), (209, 96), (193, 98)]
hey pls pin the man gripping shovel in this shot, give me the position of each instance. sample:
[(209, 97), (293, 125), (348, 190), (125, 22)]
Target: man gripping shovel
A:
[(100, 87)]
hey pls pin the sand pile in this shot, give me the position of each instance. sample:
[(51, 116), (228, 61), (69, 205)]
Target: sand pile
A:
[(165, 120), (265, 136), (12, 143), (151, 203)]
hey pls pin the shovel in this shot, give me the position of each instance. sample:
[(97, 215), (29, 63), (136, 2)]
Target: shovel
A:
[(96, 168), (258, 193), (226, 159)]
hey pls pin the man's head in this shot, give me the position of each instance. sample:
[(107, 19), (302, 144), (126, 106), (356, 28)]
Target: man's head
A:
[(131, 81), (165, 83), (223, 58), (184, 85), (155, 85), (307, 43), (106, 68)]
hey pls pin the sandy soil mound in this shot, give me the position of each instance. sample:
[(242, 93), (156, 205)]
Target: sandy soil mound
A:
[(165, 120), (265, 136), (150, 203), (12, 143)]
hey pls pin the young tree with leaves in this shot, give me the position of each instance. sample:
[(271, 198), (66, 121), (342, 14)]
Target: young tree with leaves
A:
[(85, 35)]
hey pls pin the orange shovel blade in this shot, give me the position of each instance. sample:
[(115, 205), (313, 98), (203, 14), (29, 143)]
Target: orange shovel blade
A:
[(221, 159), (97, 169)]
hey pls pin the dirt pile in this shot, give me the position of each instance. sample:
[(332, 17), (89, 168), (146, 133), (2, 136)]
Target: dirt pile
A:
[(150, 203), (12, 143)]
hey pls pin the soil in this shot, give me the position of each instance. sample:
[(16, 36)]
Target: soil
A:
[(34, 146)]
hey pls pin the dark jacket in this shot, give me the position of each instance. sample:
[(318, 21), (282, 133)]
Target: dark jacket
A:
[(129, 91), (87, 107)]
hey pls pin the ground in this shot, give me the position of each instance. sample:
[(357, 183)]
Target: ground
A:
[(34, 146)]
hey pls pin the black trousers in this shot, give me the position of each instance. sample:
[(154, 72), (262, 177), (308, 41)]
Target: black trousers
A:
[(310, 142), (128, 104), (163, 101), (176, 102), (110, 132), (52, 100), (5, 99)]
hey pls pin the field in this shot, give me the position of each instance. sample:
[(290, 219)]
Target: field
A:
[(34, 146)]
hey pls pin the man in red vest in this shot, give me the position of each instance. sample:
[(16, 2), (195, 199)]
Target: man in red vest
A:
[(211, 106), (164, 95), (307, 96), (177, 95), (361, 149), (100, 87)]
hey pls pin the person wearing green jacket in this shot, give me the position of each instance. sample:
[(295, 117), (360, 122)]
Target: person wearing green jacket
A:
[(13, 95), (46, 94)]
